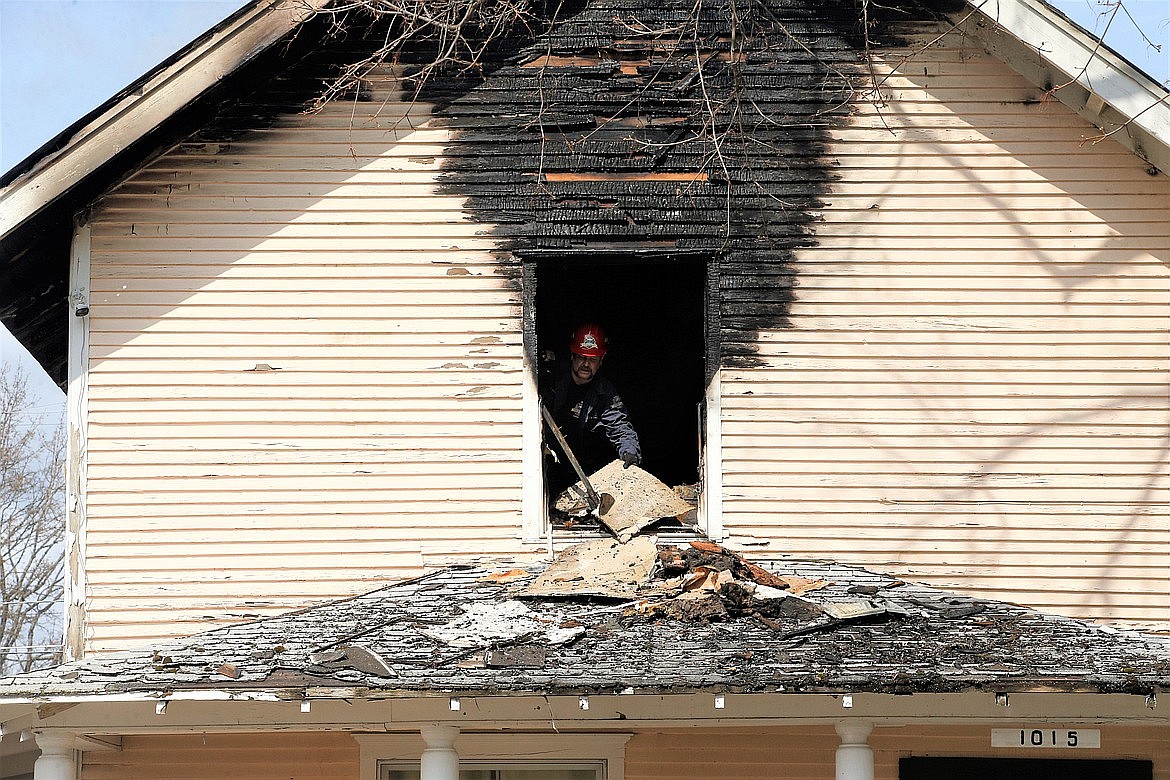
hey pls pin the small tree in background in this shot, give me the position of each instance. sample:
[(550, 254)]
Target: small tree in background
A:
[(32, 530)]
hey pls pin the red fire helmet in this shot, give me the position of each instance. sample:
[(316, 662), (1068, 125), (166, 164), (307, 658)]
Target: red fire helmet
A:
[(588, 341)]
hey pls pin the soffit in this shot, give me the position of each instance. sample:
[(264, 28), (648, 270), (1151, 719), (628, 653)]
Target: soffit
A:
[(1056, 54)]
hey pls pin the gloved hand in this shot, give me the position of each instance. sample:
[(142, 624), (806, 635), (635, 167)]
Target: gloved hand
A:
[(629, 459)]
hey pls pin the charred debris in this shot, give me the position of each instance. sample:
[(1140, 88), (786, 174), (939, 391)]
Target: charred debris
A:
[(702, 581), (631, 501), (617, 617)]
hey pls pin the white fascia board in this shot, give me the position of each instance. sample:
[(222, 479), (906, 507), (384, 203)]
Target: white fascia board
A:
[(155, 696), (167, 91), (114, 714), (1091, 64)]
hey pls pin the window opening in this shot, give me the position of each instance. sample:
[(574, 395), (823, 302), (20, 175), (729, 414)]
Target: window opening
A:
[(958, 768), (652, 312), (472, 770)]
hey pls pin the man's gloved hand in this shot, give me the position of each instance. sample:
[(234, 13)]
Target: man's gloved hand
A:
[(629, 459)]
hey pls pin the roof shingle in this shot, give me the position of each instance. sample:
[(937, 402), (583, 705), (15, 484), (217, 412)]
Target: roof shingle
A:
[(459, 630)]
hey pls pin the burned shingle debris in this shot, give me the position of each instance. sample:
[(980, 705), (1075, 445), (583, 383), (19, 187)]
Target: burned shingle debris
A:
[(701, 582), (693, 618), (604, 569), (707, 582), (491, 623), (349, 656), (637, 500)]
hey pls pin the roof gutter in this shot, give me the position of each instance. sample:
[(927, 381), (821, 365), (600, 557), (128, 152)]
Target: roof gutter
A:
[(1105, 79), (159, 94)]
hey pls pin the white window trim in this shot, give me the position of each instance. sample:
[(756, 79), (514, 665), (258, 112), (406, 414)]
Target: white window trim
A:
[(535, 526), (532, 491), (596, 766), (711, 471), (505, 748)]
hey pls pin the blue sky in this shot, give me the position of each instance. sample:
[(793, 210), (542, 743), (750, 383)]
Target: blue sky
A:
[(1135, 19), (59, 59)]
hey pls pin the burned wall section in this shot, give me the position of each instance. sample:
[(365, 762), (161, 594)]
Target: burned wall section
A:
[(661, 129)]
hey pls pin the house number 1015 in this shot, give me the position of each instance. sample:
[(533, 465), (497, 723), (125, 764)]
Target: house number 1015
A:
[(1046, 737)]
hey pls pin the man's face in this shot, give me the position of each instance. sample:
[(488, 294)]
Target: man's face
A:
[(583, 368)]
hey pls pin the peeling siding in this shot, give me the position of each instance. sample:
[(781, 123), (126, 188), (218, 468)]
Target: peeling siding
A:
[(975, 389), (304, 370)]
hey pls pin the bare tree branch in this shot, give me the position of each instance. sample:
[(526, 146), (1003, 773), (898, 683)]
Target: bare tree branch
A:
[(32, 529)]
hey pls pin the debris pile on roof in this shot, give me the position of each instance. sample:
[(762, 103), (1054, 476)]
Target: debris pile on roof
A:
[(605, 568), (607, 616), (637, 500), (703, 582), (707, 582)]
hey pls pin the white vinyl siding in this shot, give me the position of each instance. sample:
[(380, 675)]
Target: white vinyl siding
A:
[(306, 369), (305, 375), (975, 389)]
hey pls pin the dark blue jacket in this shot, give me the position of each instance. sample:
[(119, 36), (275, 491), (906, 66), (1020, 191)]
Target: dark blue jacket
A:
[(602, 418)]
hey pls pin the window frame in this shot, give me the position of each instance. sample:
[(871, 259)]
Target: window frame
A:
[(598, 766), (534, 521), (914, 766), (606, 749)]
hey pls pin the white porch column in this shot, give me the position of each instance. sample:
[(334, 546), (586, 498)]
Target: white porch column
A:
[(854, 756), (439, 759), (56, 761)]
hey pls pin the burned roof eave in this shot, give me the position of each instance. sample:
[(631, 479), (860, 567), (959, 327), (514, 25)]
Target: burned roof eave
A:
[(40, 196)]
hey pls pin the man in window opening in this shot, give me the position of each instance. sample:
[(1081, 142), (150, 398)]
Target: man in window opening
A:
[(588, 410)]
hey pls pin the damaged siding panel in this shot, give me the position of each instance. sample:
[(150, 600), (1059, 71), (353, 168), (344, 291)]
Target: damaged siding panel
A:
[(306, 366), (975, 387)]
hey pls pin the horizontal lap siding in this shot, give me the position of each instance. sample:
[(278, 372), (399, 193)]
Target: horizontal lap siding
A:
[(974, 390), (273, 756), (807, 752), (790, 752), (305, 375)]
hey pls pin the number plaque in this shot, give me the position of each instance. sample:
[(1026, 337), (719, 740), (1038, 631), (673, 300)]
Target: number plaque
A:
[(1045, 737)]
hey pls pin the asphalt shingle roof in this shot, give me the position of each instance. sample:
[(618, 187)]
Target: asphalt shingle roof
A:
[(458, 630)]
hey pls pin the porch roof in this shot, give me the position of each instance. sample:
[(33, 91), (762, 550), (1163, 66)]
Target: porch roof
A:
[(472, 630)]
